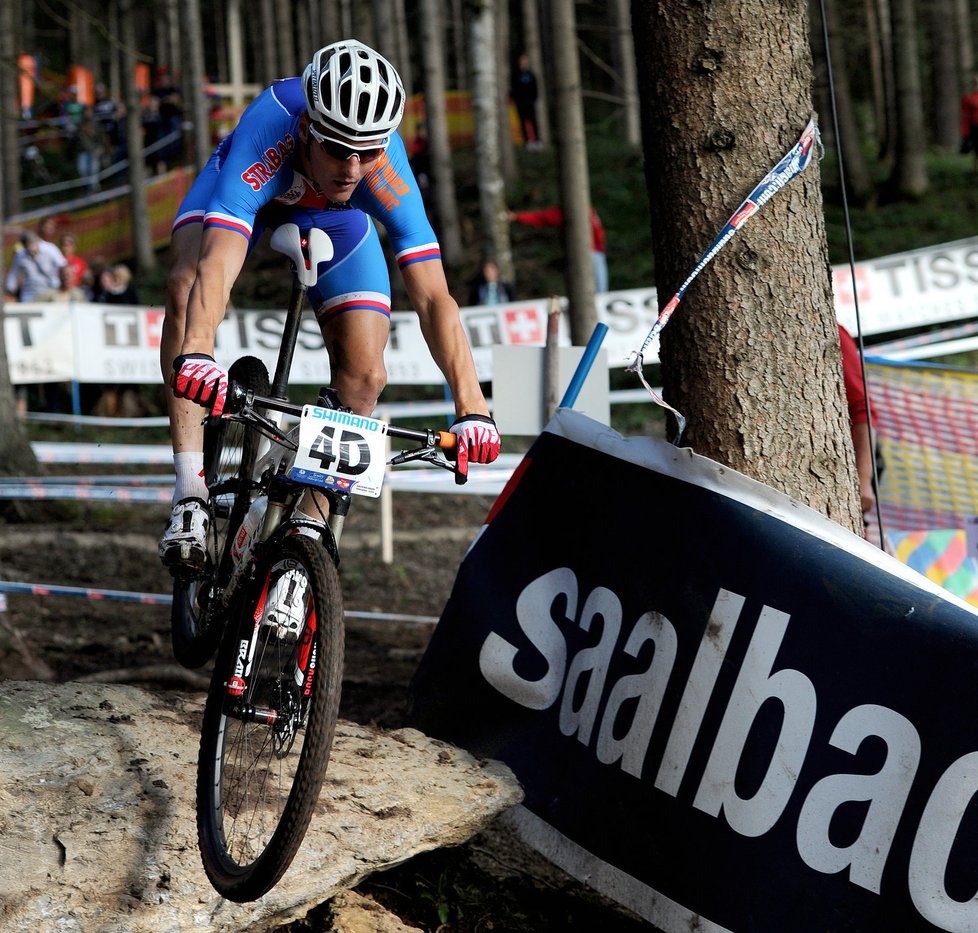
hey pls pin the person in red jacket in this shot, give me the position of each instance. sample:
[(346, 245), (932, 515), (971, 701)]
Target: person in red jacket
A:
[(554, 217), (969, 122), (860, 417)]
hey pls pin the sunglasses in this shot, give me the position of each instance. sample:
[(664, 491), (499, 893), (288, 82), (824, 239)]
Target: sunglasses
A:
[(338, 151)]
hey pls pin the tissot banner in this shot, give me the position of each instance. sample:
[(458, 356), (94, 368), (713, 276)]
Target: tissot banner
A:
[(727, 712), (121, 343)]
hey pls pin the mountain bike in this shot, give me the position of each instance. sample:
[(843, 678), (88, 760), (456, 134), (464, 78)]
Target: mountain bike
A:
[(273, 700)]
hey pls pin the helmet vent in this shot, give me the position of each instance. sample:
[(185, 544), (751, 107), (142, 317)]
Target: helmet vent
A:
[(350, 87)]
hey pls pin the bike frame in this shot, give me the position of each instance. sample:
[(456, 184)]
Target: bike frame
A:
[(244, 406)]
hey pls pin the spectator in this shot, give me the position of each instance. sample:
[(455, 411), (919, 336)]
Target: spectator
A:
[(171, 118), (47, 230), (554, 217), (72, 110), (33, 270), (79, 267), (152, 124), (66, 290), (108, 114), (524, 94), (419, 155), (91, 147), (859, 421), (35, 169), (117, 287), (98, 265), (969, 121), (488, 289)]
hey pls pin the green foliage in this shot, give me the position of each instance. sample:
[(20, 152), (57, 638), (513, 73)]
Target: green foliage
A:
[(946, 212), (620, 198)]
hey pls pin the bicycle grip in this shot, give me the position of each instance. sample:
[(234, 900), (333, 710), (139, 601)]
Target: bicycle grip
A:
[(451, 443)]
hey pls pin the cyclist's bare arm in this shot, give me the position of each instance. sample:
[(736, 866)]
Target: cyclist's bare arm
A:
[(443, 332), (222, 254)]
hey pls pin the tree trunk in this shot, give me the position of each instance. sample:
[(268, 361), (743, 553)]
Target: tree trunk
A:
[(307, 31), (9, 114), (485, 106), (236, 52), (945, 74), (507, 152), (884, 24), (219, 18), (193, 62), (142, 241), (402, 46), (269, 50), (859, 184), (363, 24), (332, 26), (384, 27), (752, 355), (459, 55), (115, 74), (877, 81), (966, 46), (532, 47), (16, 456), (174, 43), (436, 120), (909, 176), (286, 40), (623, 57), (572, 169)]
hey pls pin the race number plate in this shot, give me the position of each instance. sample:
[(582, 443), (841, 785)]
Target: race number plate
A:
[(342, 451)]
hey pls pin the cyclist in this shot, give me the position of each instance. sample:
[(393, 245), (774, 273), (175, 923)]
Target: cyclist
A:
[(319, 151)]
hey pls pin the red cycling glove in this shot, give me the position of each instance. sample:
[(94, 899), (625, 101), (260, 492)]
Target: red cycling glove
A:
[(479, 437), (199, 378)]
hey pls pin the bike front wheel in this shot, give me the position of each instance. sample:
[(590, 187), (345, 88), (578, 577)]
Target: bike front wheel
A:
[(268, 726)]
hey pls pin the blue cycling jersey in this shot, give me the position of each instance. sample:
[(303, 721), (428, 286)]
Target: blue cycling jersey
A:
[(250, 181)]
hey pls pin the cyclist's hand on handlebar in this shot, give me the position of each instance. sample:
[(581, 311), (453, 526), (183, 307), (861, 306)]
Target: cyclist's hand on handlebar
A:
[(479, 438), (196, 376)]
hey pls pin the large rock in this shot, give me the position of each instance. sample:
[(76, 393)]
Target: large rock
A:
[(97, 828)]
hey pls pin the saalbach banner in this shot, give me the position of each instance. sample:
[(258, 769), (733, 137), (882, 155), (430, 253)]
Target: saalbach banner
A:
[(737, 716)]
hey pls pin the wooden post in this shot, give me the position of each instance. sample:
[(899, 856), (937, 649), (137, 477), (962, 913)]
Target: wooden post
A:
[(550, 360)]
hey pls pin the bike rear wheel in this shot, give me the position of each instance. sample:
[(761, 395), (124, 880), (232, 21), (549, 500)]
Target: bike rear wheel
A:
[(230, 452), (268, 727)]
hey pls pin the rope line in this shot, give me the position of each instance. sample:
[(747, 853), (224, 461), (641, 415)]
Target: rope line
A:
[(165, 599)]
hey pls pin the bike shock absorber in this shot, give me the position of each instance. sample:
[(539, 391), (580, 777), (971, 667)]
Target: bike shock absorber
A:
[(277, 500), (339, 506)]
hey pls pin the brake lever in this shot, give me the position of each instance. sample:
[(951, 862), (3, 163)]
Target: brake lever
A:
[(433, 457)]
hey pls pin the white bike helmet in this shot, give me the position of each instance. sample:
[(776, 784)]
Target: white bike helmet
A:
[(353, 91)]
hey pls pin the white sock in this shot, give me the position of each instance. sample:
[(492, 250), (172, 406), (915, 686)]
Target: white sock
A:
[(189, 467)]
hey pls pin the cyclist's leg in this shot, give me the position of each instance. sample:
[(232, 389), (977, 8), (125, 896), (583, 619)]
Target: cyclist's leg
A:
[(185, 422), (352, 300), (185, 416), (352, 304), (184, 540)]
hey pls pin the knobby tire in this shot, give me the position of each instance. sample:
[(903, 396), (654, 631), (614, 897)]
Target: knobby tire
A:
[(230, 451), (253, 804)]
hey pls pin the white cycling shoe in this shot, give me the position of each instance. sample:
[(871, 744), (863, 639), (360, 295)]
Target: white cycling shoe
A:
[(285, 606), (184, 543)]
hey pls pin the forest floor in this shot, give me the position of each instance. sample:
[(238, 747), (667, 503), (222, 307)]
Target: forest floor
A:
[(491, 883)]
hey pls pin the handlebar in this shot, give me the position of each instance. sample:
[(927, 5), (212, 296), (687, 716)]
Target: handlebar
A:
[(240, 399)]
